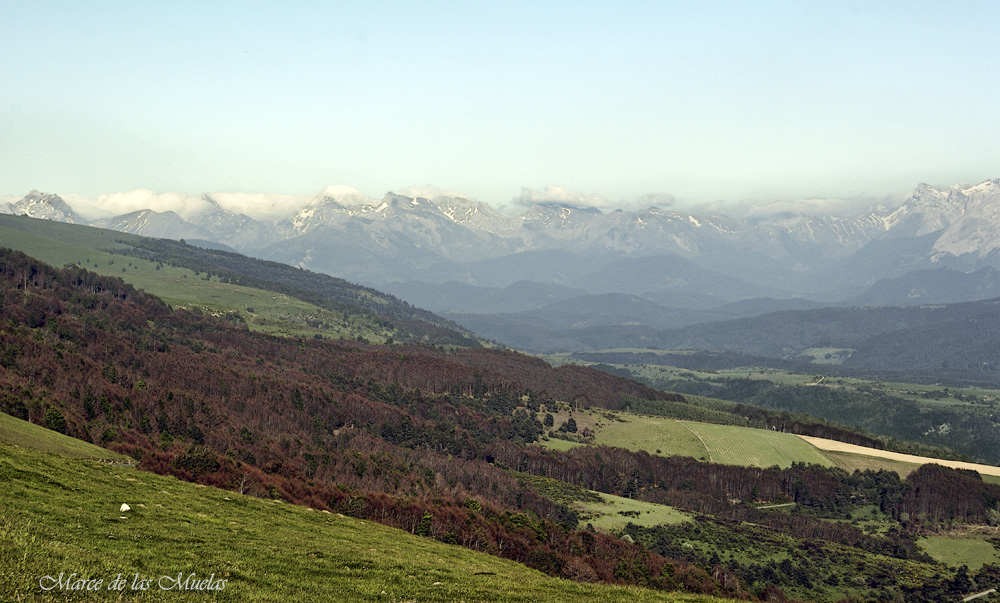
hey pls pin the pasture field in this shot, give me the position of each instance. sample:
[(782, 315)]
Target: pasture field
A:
[(615, 512), (557, 444), (656, 435), (851, 462), (968, 549), (834, 446), (733, 445), (726, 444), (925, 394), (736, 445), (930, 395), (22, 433), (62, 515)]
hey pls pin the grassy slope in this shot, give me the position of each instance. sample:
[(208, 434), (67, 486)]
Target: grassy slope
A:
[(22, 433), (605, 512), (850, 462), (654, 433), (273, 313), (61, 514), (971, 550), (726, 444), (732, 445)]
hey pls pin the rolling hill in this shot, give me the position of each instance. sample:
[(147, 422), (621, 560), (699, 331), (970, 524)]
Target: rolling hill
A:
[(266, 295), (959, 340)]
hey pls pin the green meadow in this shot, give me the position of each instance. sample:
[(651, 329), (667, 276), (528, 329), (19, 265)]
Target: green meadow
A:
[(653, 434), (726, 444), (968, 549), (733, 445), (22, 433), (615, 512)]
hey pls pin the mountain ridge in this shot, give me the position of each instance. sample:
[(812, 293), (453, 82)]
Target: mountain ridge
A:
[(675, 258)]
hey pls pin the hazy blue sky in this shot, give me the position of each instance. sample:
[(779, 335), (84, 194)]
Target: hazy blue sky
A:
[(702, 100)]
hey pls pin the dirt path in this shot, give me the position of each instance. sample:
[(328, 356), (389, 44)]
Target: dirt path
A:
[(832, 445), (781, 506), (697, 435)]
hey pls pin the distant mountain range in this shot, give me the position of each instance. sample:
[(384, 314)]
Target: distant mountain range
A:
[(453, 254)]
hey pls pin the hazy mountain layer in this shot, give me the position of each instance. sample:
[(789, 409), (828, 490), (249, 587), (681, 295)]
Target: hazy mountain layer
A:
[(457, 254)]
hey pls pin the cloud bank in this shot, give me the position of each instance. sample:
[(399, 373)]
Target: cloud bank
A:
[(259, 206), (429, 191), (558, 195), (842, 208)]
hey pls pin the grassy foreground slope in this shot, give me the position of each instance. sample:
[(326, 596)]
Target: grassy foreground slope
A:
[(62, 515)]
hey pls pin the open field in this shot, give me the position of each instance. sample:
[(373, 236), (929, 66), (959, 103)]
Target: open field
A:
[(732, 445), (656, 435), (831, 445), (61, 515), (969, 549), (557, 444), (615, 512), (925, 394), (851, 462), (929, 394), (727, 444), (930, 419), (735, 445)]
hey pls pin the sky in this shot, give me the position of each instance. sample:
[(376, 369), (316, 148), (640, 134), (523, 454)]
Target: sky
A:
[(699, 102)]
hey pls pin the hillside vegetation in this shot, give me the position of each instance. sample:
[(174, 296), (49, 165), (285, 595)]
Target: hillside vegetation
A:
[(267, 296), (955, 342), (440, 443), (732, 444), (936, 420), (60, 515)]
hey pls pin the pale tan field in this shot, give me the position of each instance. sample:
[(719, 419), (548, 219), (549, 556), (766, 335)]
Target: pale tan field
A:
[(835, 446)]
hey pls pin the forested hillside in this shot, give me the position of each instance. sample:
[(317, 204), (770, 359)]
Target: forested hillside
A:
[(420, 438), (96, 249), (960, 341)]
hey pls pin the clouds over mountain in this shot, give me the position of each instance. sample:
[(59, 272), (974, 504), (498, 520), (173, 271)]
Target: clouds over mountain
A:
[(782, 248), (260, 206), (429, 191), (558, 195), (563, 197), (808, 206)]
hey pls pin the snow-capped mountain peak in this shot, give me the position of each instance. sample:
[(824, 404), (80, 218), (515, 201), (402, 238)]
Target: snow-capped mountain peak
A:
[(960, 223), (45, 206), (986, 188)]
